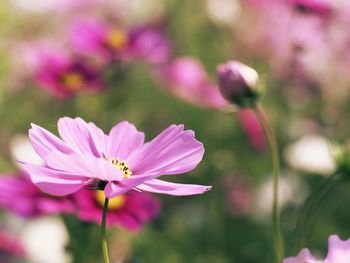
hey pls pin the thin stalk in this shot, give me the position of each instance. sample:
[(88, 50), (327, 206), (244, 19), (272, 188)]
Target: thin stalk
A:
[(271, 140), (312, 207), (103, 232)]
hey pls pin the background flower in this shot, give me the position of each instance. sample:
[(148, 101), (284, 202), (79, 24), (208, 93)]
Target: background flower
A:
[(131, 210)]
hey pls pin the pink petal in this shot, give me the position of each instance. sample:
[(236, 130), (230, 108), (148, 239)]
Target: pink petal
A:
[(162, 187), (173, 151), (303, 257), (54, 182), (338, 250), (82, 137), (114, 188), (123, 140), (44, 141), (84, 164)]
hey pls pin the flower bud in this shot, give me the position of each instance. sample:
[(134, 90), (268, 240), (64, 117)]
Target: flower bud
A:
[(238, 83)]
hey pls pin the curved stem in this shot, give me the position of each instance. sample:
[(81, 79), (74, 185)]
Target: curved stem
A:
[(271, 139), (312, 207), (103, 232)]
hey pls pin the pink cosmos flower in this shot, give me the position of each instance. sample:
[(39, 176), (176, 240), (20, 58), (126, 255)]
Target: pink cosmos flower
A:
[(117, 162), (150, 44), (106, 41), (186, 78), (20, 196), (63, 75), (130, 210), (338, 252)]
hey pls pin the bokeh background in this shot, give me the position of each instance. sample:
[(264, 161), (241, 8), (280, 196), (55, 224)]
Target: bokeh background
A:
[(301, 50)]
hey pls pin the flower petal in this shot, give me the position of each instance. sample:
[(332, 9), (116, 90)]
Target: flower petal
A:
[(85, 165), (162, 187), (124, 139), (338, 250), (173, 151), (54, 182), (114, 188), (303, 256), (44, 141), (82, 137)]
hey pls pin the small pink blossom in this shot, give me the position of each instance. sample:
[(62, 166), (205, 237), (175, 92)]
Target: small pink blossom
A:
[(85, 157), (150, 44), (107, 41), (63, 75), (186, 78), (20, 196), (130, 210), (338, 252)]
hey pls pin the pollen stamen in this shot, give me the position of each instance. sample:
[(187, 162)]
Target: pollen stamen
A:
[(121, 165)]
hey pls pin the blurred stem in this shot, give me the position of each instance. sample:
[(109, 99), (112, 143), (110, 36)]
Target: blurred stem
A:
[(103, 232), (271, 140), (312, 208)]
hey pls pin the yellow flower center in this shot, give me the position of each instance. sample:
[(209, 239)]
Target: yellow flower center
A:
[(73, 81), (113, 204), (121, 165), (116, 38)]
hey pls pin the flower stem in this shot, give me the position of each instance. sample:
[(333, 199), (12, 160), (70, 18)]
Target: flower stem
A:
[(103, 232), (271, 139), (312, 208)]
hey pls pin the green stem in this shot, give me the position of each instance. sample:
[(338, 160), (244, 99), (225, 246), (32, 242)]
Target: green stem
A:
[(312, 207), (271, 140), (103, 232)]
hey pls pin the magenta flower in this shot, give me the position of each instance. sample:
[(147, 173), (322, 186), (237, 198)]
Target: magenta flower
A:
[(186, 78), (64, 76), (338, 252), (150, 44), (99, 39), (20, 196), (117, 163), (130, 210)]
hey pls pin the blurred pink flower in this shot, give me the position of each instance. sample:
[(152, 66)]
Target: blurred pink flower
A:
[(62, 74), (150, 44), (117, 163), (10, 247), (53, 5), (338, 252), (108, 41), (130, 210), (313, 32), (252, 128), (186, 78), (238, 195), (20, 196)]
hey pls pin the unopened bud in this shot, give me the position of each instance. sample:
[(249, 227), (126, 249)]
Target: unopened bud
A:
[(238, 83)]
